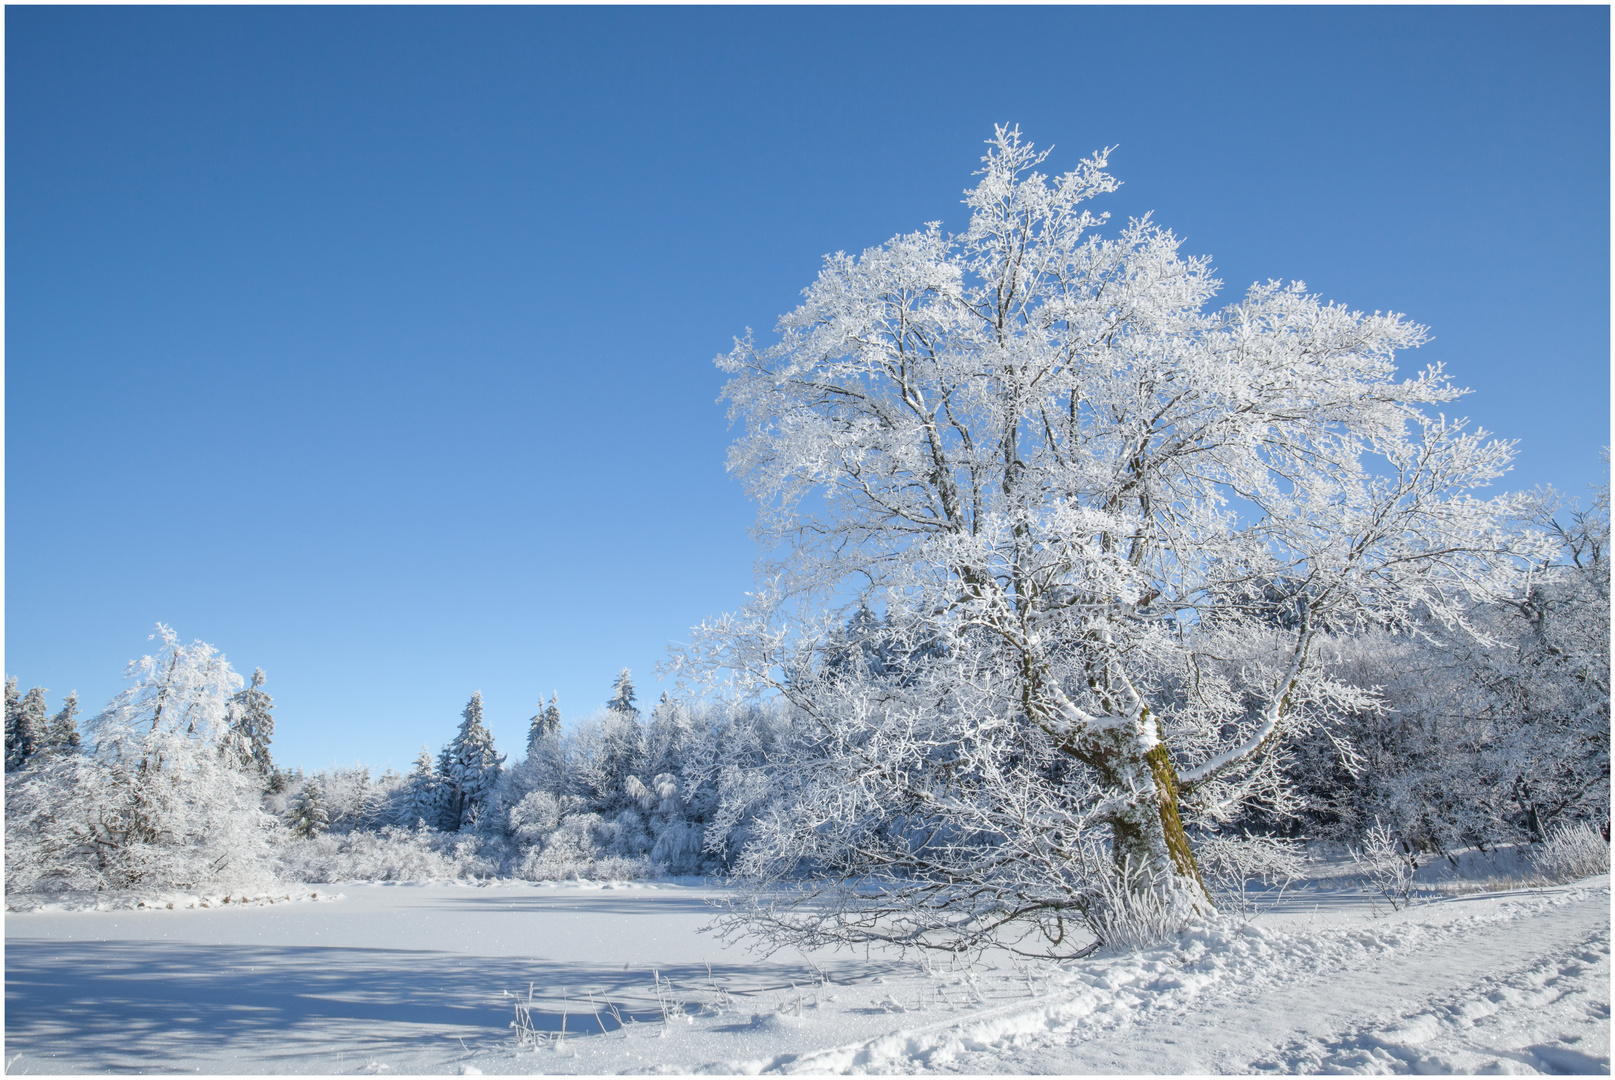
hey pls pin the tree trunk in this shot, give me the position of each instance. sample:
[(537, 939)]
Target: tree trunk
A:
[(1148, 840)]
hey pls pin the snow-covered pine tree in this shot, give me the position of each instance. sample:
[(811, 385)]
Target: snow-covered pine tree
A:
[(544, 769), (13, 702), (622, 694), (545, 722), (63, 734), (423, 794), (614, 772), (27, 727), (252, 725), (382, 811), (309, 817), (470, 767)]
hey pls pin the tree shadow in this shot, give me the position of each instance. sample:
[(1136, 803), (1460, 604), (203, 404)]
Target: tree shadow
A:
[(129, 1005)]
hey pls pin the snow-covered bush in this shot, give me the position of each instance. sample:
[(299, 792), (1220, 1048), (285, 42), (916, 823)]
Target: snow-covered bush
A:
[(1126, 911), (389, 854), (1230, 864), (1573, 851), (532, 820), (1387, 863), (154, 800)]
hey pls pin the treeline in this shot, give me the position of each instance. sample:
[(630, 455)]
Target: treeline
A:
[(1483, 735), (616, 793), (174, 786)]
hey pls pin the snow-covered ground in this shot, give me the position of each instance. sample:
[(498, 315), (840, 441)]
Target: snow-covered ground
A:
[(420, 978)]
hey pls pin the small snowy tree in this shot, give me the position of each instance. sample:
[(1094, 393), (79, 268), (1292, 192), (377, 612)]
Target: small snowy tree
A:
[(614, 762), (622, 695), (308, 817), (1107, 526)]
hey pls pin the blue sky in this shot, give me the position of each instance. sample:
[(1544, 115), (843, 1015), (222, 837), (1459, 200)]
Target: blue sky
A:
[(374, 345)]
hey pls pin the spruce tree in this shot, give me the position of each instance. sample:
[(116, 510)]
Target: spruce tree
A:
[(545, 722), (13, 708), (471, 768), (27, 725), (252, 725), (309, 817), (63, 734), (423, 798), (622, 696), (620, 756)]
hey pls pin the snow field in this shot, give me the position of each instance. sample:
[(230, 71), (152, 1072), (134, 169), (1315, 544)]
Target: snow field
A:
[(405, 979)]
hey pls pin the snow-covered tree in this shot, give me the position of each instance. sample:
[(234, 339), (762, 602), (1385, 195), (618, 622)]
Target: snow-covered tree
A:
[(252, 724), (63, 733), (152, 801), (1107, 526), (27, 725), (308, 817), (543, 769), (545, 723), (613, 761), (424, 792), (1552, 679), (470, 767), (622, 694)]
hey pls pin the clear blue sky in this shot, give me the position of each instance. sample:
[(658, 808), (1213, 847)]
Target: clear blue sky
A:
[(374, 345)]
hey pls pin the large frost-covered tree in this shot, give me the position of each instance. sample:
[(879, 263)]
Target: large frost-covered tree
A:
[(1106, 523)]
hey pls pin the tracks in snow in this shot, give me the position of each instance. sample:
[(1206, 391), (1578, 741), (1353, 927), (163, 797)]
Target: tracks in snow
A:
[(1511, 983)]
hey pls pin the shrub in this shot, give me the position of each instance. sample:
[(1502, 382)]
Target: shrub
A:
[(1573, 852)]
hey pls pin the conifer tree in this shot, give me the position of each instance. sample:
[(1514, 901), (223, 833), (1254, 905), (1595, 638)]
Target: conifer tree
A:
[(622, 696), (27, 724), (13, 710), (252, 725), (423, 799), (63, 734), (614, 774), (470, 767), (545, 722), (309, 817)]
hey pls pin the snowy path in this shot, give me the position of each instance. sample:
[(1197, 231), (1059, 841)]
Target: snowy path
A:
[(414, 979), (1488, 984)]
